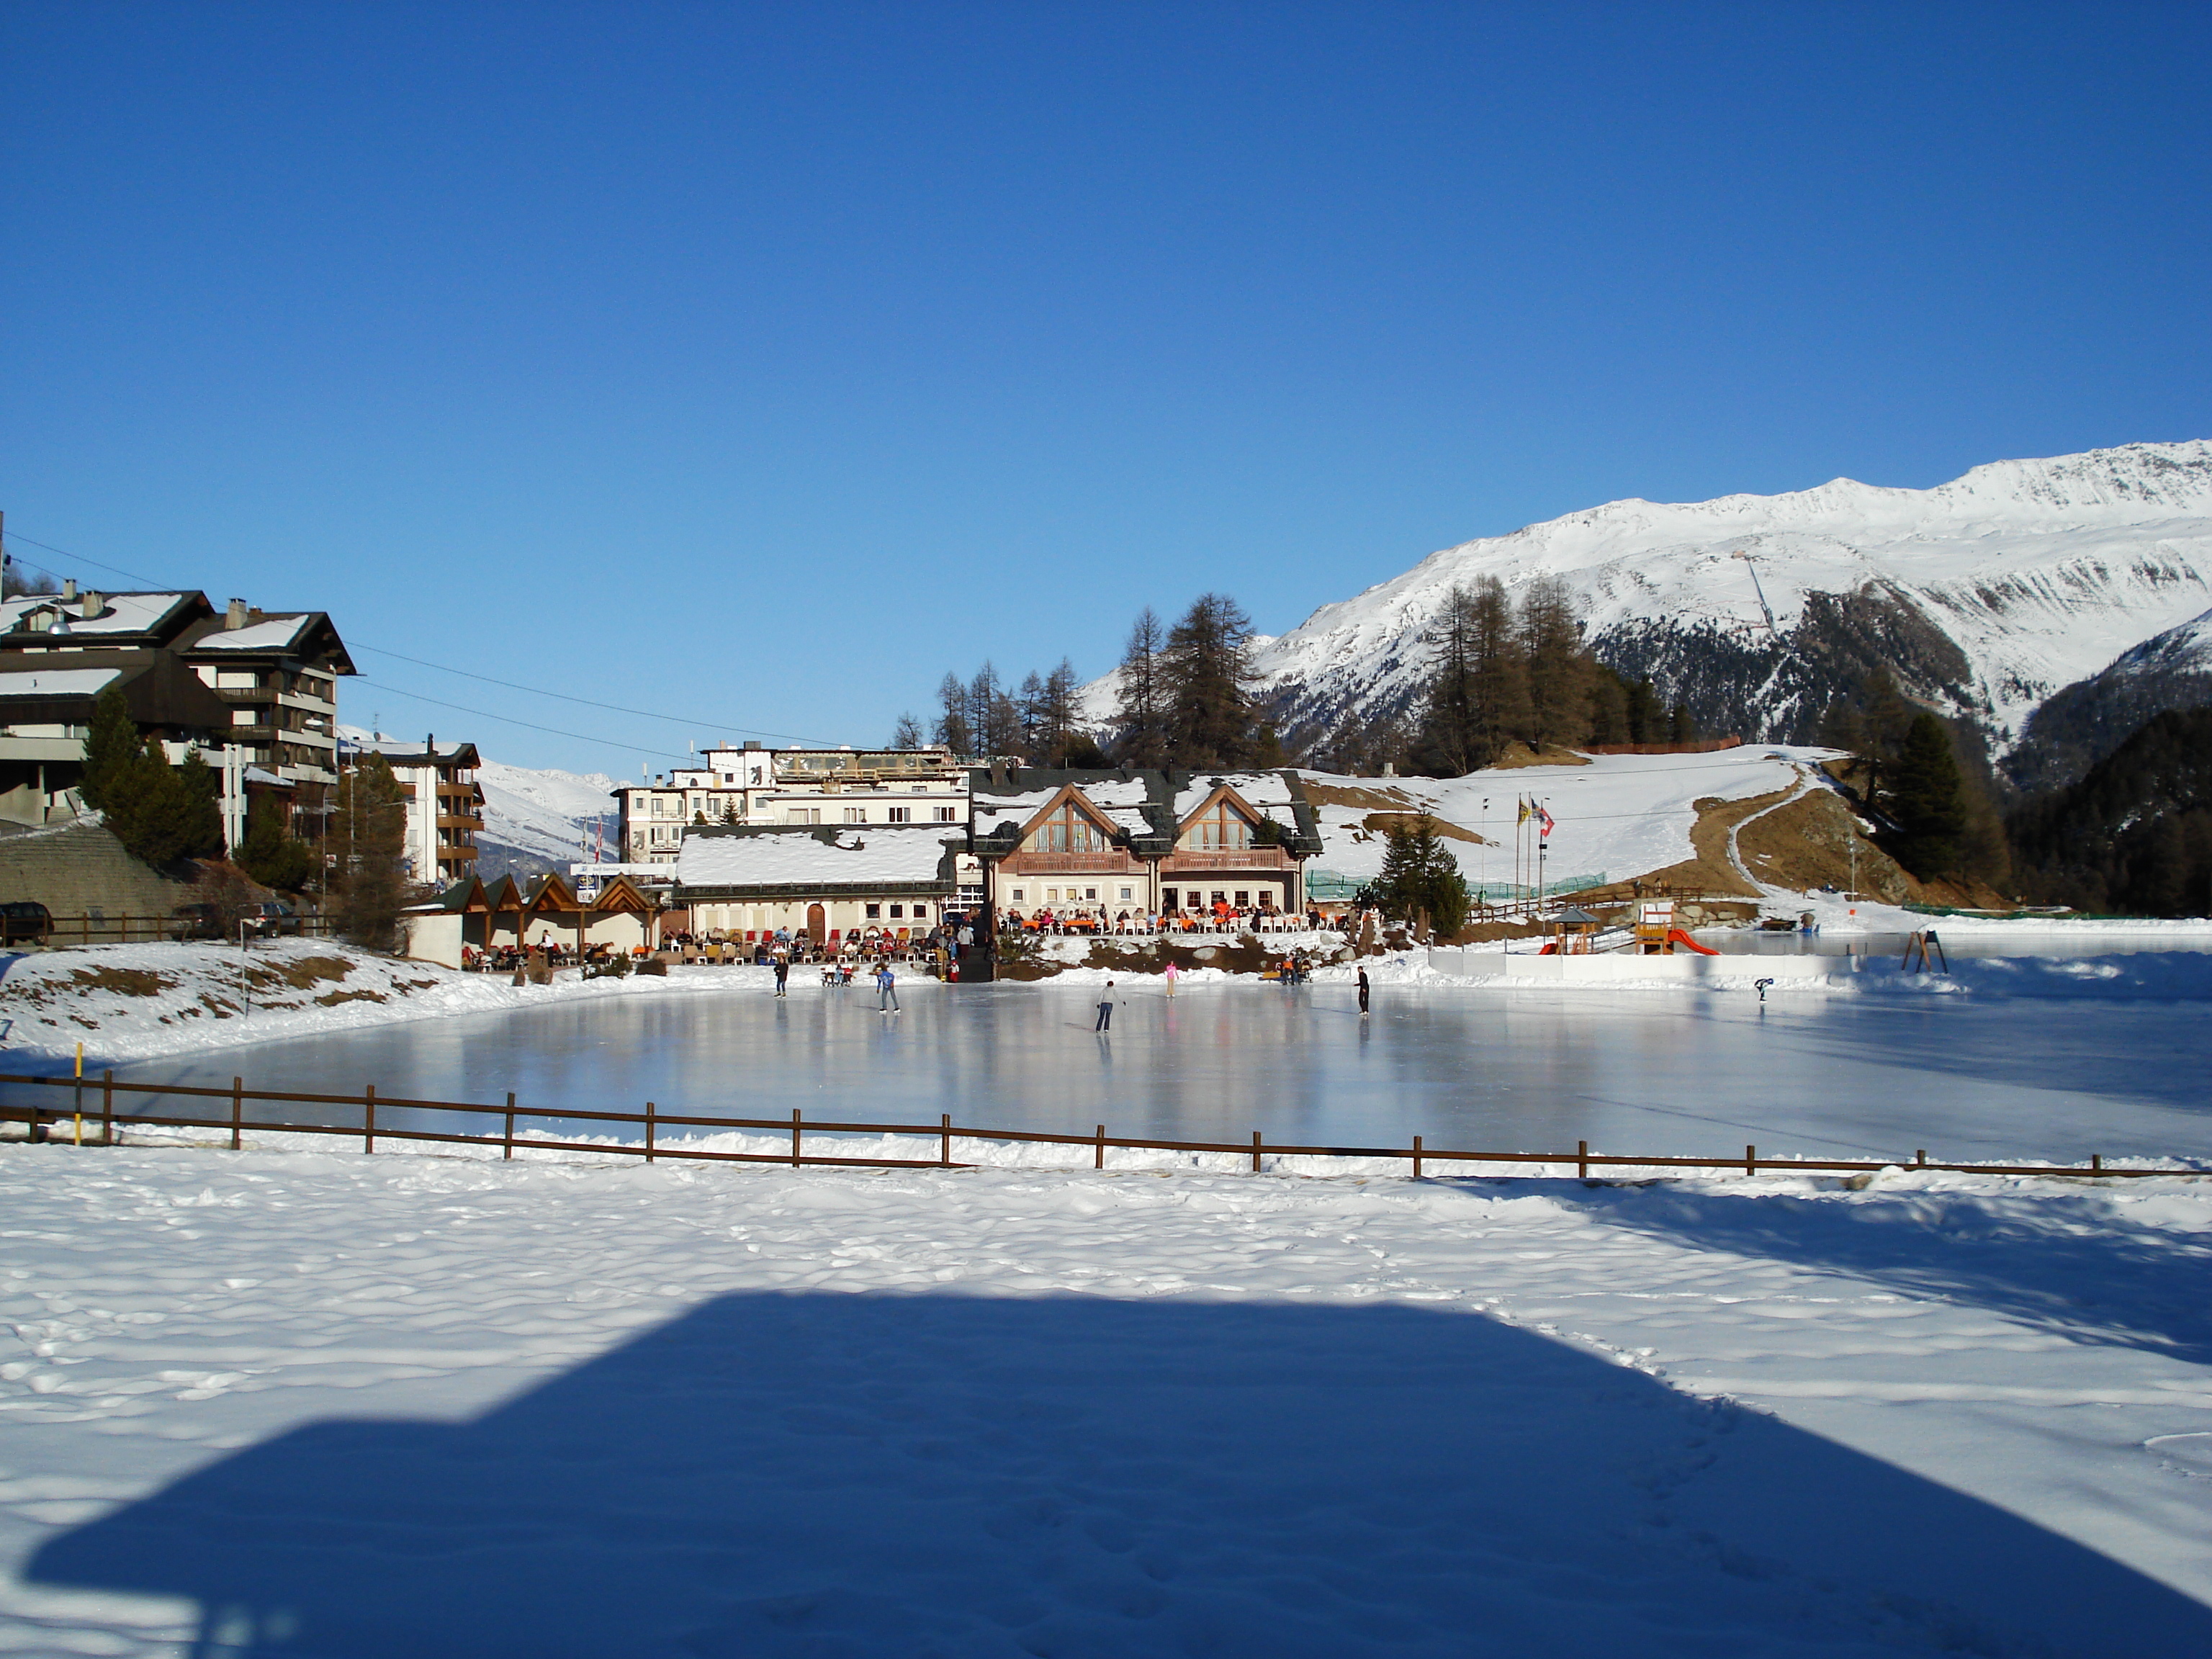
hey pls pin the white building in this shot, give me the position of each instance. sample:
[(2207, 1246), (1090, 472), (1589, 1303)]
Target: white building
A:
[(833, 883), (753, 786), (445, 802)]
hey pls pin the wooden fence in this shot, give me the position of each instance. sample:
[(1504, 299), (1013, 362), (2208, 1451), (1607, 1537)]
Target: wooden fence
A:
[(89, 929), (102, 1119)]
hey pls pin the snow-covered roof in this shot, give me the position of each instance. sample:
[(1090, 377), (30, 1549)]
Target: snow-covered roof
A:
[(273, 635), (121, 613), (847, 857), (57, 682)]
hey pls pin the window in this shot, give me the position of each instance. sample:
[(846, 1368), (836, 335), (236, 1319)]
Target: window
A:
[(802, 815), (1168, 897), (1128, 893), (1220, 827), (898, 913), (944, 815), (901, 814), (244, 717), (1069, 829), (921, 911), (921, 788), (1052, 895), (1090, 892), (1220, 897), (856, 814), (875, 912), (660, 806), (1017, 897), (1243, 899)]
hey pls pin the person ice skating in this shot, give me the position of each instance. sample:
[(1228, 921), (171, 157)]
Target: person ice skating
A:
[(1171, 979), (1363, 993), (782, 974), (886, 990), (1106, 1010)]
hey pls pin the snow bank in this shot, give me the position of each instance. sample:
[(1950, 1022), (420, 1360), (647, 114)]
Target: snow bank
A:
[(354, 1405), (134, 1001)]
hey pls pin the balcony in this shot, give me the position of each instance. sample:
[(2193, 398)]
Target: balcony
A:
[(1235, 857), (1111, 863)]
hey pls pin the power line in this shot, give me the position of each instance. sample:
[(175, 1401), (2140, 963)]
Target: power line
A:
[(694, 721), (485, 714), (691, 721)]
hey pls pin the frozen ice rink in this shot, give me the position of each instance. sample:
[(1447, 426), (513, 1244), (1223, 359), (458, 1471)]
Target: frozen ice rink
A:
[(2052, 1059)]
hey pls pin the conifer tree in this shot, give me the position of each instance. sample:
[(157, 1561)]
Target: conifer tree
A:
[(369, 829), (111, 746), (1552, 642), (953, 729), (1142, 716), (1209, 697), (269, 851), (1927, 800)]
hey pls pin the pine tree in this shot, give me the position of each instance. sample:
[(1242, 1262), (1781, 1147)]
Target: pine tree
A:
[(1498, 669), (1142, 715), (369, 829), (1058, 713), (202, 806), (1448, 743), (1927, 800), (111, 746), (953, 729), (1209, 696), (1552, 642), (1420, 877), (269, 851)]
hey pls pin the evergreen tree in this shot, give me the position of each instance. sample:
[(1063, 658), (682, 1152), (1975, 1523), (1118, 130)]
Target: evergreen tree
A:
[(1450, 743), (111, 746), (369, 829), (1927, 800), (1142, 716), (1029, 711), (202, 806), (984, 695), (269, 851), (1551, 641), (1058, 713), (1498, 670), (1420, 877), (953, 730), (1209, 696)]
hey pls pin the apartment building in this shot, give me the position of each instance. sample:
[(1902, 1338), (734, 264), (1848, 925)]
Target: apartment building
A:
[(752, 786), (445, 801)]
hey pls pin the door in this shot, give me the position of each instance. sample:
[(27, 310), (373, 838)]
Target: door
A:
[(817, 923)]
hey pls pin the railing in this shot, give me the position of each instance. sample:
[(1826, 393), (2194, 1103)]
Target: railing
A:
[(652, 1121), (89, 929)]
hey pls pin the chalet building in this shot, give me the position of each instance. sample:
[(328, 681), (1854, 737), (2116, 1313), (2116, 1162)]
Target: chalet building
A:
[(752, 786), (254, 691), (830, 883), (471, 915), (1138, 842), (445, 802)]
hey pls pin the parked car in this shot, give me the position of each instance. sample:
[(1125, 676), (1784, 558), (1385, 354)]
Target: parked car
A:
[(272, 919), (197, 922), (24, 920)]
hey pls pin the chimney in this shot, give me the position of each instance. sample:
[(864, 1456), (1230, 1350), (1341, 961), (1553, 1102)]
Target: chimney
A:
[(69, 590), (92, 603), (233, 615)]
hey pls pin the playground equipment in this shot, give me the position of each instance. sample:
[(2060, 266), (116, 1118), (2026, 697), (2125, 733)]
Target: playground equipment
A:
[(1572, 930), (1657, 935), (1917, 946)]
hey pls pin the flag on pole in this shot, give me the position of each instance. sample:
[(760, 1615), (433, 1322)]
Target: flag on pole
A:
[(1522, 801), (1544, 819)]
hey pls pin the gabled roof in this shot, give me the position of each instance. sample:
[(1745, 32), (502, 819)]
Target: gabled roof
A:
[(548, 892), (118, 619), (466, 894), (779, 862), (505, 894), (1142, 806), (1060, 797), (620, 894), (309, 634), (45, 687)]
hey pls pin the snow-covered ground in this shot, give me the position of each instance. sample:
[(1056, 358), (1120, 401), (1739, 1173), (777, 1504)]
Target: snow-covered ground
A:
[(134, 1001), (1620, 814), (266, 1403)]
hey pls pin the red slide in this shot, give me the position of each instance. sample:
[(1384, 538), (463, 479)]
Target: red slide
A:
[(1676, 936)]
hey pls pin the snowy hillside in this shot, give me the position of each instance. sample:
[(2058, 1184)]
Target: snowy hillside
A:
[(543, 815), (1988, 593), (2088, 721)]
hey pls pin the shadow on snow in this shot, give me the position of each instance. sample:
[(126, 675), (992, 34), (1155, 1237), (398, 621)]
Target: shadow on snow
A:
[(846, 1474)]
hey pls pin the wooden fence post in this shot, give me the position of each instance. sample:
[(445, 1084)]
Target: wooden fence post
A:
[(945, 1141), (1582, 1160), (107, 1110), (368, 1119), (649, 1131), (1256, 1152), (1099, 1162), (1416, 1157), (795, 1137), (237, 1108), (1750, 1160), (2097, 1163), (509, 1151)]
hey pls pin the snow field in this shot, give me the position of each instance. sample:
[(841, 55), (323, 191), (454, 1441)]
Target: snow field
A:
[(261, 1401)]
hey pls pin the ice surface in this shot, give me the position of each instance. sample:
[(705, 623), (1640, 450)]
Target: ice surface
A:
[(2001, 1060)]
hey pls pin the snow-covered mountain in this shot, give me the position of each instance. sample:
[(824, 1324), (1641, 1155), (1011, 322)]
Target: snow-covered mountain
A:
[(2078, 727), (1987, 594), (540, 818)]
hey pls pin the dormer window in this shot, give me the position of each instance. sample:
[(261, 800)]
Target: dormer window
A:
[(1069, 829), (1221, 827)]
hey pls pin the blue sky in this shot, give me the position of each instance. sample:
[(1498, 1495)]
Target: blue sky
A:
[(755, 365)]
